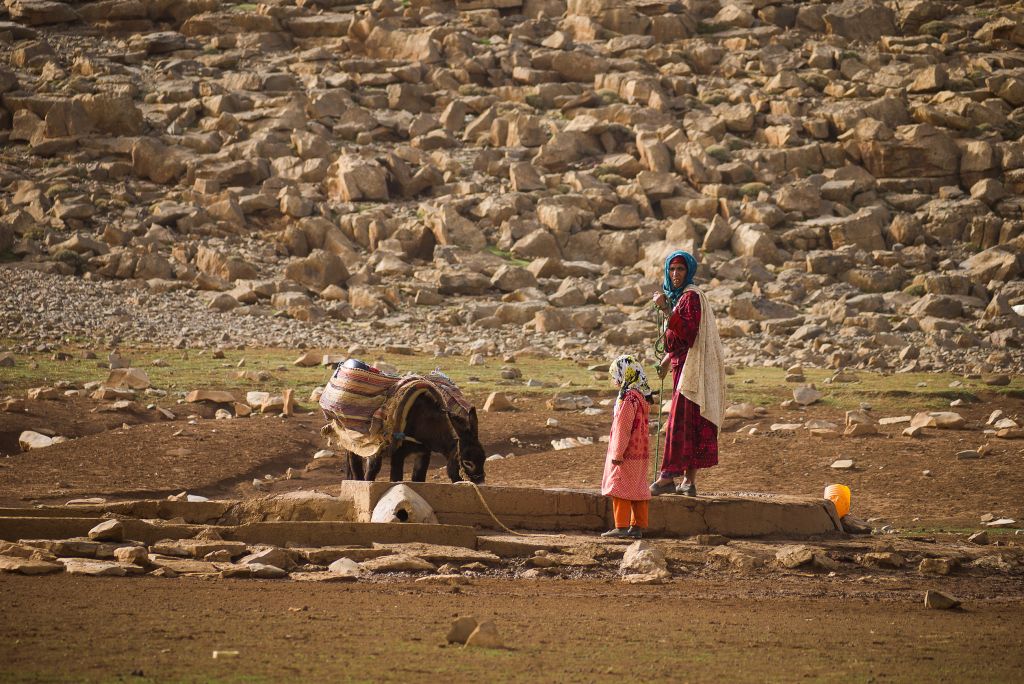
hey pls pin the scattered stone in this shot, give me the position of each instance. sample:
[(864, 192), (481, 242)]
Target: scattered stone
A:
[(940, 601), (485, 636), (29, 440), (979, 538), (711, 540), (842, 464), (794, 556), (805, 396), (345, 567), (461, 629), (967, 454), (498, 401), (936, 566), (110, 530), (644, 558)]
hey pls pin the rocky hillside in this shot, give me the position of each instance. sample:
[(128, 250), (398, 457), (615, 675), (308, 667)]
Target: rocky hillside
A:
[(504, 175)]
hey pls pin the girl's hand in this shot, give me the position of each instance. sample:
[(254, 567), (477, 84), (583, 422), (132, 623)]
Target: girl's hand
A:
[(663, 367)]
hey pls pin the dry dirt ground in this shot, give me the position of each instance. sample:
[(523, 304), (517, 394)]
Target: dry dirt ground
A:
[(117, 455), (62, 628), (704, 625)]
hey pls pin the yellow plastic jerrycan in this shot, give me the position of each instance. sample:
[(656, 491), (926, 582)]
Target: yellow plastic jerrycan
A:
[(840, 496)]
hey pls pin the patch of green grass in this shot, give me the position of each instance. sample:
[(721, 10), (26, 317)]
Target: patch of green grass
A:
[(915, 290), (245, 7), (193, 369), (718, 152), (707, 27), (898, 393), (507, 256)]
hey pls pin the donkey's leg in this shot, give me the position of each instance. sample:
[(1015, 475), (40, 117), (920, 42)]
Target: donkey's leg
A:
[(356, 466), (398, 461), (373, 467), (420, 465)]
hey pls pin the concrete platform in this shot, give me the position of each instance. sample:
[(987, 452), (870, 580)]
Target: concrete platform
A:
[(342, 516), (565, 509)]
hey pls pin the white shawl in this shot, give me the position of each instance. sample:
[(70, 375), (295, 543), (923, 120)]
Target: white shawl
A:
[(703, 378)]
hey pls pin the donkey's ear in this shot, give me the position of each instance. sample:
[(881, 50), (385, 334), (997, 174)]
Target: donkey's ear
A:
[(472, 416)]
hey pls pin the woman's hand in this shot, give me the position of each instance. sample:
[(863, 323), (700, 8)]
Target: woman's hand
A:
[(660, 301), (664, 366), (616, 462)]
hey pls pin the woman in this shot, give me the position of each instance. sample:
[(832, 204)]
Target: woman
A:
[(694, 352)]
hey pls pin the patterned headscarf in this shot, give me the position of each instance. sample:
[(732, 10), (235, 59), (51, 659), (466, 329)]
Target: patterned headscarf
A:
[(628, 374), (673, 294)]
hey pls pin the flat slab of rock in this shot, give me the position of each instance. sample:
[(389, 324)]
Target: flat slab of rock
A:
[(187, 566), (197, 548), (794, 556), (214, 396), (28, 566), (398, 562), (947, 420), (437, 553), (99, 568)]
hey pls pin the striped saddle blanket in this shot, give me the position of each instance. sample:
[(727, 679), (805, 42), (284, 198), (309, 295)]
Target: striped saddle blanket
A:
[(368, 409)]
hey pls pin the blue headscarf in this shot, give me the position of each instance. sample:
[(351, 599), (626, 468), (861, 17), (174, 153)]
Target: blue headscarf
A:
[(673, 294)]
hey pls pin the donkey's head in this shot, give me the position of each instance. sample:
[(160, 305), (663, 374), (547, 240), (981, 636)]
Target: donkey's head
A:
[(469, 457)]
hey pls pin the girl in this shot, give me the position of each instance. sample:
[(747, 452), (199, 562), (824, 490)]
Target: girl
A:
[(625, 466)]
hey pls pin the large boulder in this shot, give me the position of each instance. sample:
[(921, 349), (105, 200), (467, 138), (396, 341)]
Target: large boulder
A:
[(215, 263), (41, 12), (915, 151), (354, 178), (862, 229), (862, 20), (318, 270), (451, 228), (754, 240), (157, 162), (996, 263)]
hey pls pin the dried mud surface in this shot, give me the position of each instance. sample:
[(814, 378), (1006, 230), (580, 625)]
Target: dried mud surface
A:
[(728, 629)]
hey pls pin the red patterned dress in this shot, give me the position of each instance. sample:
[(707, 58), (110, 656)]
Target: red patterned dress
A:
[(691, 439)]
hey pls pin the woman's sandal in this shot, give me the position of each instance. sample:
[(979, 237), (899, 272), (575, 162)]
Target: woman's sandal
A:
[(659, 489), (686, 489)]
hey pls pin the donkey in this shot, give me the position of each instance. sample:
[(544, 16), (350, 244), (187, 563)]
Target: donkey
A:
[(427, 431)]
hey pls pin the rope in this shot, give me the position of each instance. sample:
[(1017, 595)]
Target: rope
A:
[(476, 488), (659, 352)]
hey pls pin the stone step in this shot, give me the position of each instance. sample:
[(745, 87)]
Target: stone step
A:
[(288, 533), (564, 509)]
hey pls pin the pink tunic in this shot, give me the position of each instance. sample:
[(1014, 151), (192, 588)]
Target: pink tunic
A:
[(628, 442)]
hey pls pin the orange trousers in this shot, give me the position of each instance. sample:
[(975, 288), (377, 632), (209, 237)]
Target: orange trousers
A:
[(629, 513)]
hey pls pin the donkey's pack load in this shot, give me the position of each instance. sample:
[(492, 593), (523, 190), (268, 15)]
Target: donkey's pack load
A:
[(372, 414)]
